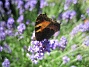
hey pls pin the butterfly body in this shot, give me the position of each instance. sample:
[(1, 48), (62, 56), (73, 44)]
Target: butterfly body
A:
[(45, 27)]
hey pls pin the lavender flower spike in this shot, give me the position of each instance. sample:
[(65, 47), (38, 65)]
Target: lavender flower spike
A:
[(6, 63)]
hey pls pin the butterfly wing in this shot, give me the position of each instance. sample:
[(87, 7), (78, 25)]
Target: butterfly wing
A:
[(41, 18), (45, 27)]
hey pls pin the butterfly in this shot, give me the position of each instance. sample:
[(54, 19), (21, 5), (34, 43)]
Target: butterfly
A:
[(45, 27)]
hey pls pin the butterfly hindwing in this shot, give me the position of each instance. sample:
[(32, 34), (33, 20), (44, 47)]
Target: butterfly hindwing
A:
[(45, 34)]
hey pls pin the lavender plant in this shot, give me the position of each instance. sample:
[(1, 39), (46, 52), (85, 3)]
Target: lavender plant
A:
[(67, 48)]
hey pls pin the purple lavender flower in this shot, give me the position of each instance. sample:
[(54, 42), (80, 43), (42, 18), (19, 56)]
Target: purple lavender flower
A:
[(83, 17), (68, 15), (84, 27), (86, 41), (5, 8), (56, 34), (21, 27), (7, 5), (25, 48), (73, 13), (1, 8), (1, 48), (21, 11), (9, 26), (27, 22), (60, 16), (19, 4), (2, 36), (76, 29), (9, 12), (65, 15), (20, 19), (17, 33), (30, 4), (6, 63), (67, 4), (10, 21), (1, 29), (15, 2), (32, 58), (9, 32), (2, 23), (65, 59), (6, 48), (73, 47), (62, 43), (87, 11), (74, 1), (54, 44), (27, 5), (1, 4), (79, 57), (80, 26), (43, 3), (38, 49)]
